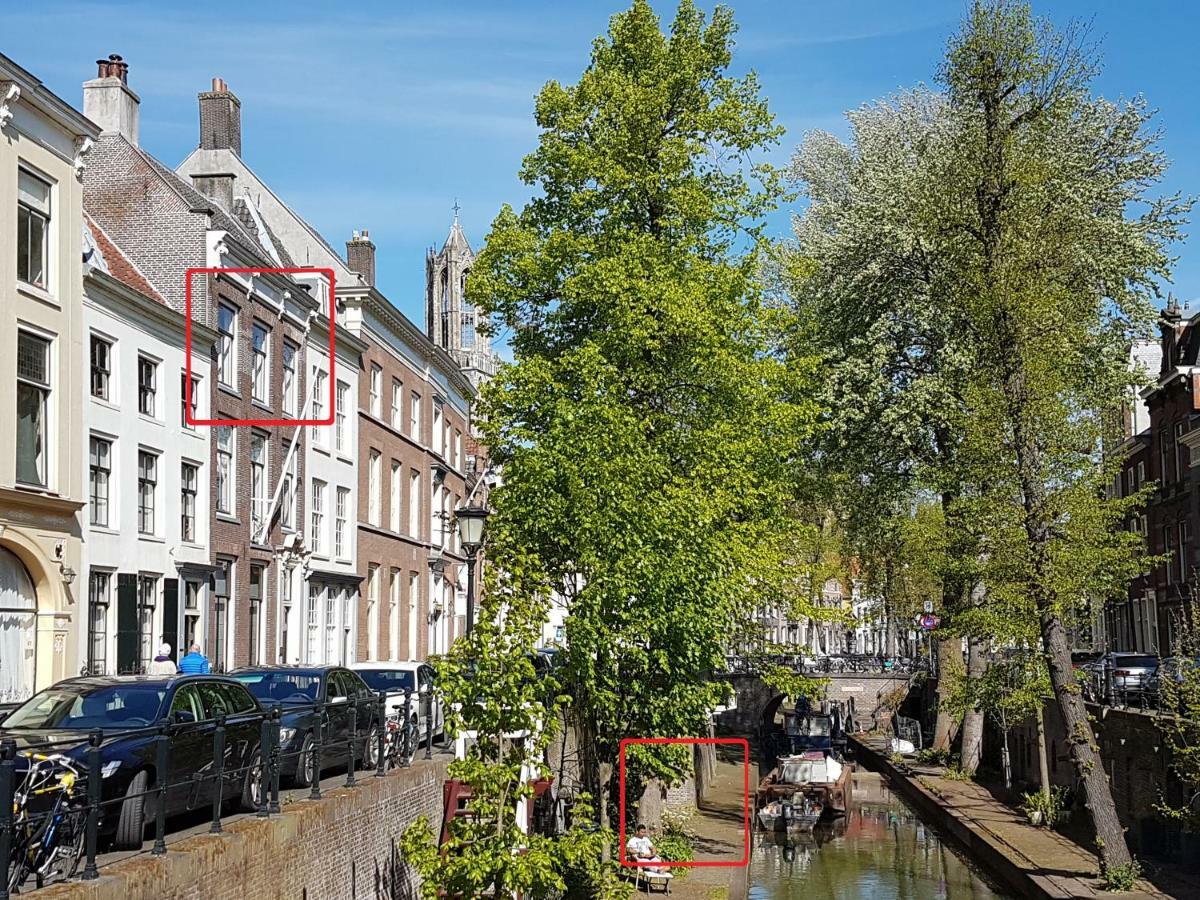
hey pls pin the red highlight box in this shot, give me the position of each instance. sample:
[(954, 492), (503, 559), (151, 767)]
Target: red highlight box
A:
[(187, 345), (737, 742)]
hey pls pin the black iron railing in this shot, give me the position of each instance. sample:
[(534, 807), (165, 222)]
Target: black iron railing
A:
[(23, 832)]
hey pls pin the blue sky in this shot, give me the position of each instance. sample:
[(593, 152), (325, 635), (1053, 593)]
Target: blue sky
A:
[(379, 114)]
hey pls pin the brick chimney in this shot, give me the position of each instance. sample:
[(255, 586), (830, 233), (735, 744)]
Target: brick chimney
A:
[(220, 118), (108, 101), (360, 256)]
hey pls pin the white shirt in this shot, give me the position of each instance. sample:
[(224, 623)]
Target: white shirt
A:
[(640, 846)]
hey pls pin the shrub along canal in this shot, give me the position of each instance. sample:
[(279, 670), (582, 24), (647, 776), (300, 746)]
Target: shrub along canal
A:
[(881, 850)]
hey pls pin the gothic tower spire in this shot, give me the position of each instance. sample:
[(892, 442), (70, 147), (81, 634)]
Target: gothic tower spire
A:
[(450, 320)]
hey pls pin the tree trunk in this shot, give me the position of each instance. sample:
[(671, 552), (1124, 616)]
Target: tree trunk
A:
[(949, 666), (1043, 762), (972, 728)]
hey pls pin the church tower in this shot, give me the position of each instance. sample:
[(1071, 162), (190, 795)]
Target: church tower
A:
[(450, 320)]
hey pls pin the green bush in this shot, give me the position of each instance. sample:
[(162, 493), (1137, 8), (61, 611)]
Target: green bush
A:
[(1121, 878), (1050, 807)]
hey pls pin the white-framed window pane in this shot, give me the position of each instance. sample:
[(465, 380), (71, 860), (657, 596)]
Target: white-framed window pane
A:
[(397, 395), (33, 403), (101, 359), (258, 483), (147, 491), (373, 488), (147, 386), (289, 378), (226, 344), (394, 490), (341, 512), (317, 517), (376, 388), (225, 468), (33, 229), (339, 421), (259, 340), (189, 479), (99, 475)]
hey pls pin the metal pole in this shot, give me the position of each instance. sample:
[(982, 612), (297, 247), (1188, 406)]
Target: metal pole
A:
[(162, 771), (350, 782), (264, 775), (92, 834), (471, 590), (317, 750), (218, 773), (380, 767), (428, 704), (8, 752), (276, 756)]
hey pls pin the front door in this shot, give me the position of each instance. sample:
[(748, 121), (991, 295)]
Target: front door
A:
[(18, 630)]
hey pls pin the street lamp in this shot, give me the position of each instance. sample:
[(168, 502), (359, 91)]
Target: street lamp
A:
[(470, 521)]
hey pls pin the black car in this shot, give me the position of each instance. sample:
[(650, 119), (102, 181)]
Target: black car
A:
[(297, 690), (126, 708)]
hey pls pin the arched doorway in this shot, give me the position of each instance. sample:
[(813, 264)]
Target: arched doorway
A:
[(18, 629)]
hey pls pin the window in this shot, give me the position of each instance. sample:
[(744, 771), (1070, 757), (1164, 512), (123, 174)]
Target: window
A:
[(341, 506), (33, 229), (397, 396), (258, 578), (258, 485), (438, 428), (1168, 538), (458, 449), (147, 488), (414, 605), (191, 615), (225, 469), (147, 600), (373, 488), (261, 383), (1164, 456), (190, 401), (290, 391), (372, 611), (414, 503), (101, 367), (1129, 486), (99, 584), (317, 517), (318, 404), (1185, 539), (394, 614), (1182, 451), (287, 500), (414, 417), (312, 623), (376, 388), (226, 345), (189, 476), (331, 611), (33, 404), (339, 418), (1141, 472), (394, 497), (100, 471), (147, 385)]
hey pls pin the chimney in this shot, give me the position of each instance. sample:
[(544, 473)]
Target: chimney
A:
[(108, 101), (220, 119), (360, 256)]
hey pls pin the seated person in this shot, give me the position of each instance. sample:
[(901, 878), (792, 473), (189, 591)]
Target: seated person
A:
[(641, 849)]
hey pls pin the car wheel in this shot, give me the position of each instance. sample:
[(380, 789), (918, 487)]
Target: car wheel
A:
[(251, 799), (131, 825), (305, 764), (370, 751)]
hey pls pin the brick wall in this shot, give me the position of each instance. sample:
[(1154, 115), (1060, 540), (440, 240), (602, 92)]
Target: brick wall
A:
[(342, 846)]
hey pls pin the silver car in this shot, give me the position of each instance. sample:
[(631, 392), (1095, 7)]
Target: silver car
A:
[(1131, 673)]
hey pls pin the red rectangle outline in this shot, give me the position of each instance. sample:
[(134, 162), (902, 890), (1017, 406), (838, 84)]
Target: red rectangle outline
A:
[(740, 742), (187, 345)]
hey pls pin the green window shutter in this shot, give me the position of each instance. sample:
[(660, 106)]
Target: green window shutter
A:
[(171, 616), (127, 624)]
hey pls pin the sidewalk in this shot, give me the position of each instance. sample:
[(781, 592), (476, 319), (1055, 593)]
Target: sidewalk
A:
[(1051, 865)]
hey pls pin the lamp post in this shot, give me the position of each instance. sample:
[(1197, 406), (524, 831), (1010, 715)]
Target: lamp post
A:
[(471, 521)]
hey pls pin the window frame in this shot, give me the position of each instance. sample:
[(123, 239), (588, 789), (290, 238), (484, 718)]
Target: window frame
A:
[(227, 347), (94, 469), (260, 368), (44, 461), (226, 484), (46, 218), (147, 391), (188, 531), (102, 370), (147, 477)]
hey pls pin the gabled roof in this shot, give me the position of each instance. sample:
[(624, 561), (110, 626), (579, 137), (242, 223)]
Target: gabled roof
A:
[(109, 258)]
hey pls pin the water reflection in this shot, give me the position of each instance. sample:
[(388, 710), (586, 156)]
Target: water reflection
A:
[(879, 851)]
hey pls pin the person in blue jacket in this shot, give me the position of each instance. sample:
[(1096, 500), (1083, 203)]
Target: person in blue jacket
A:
[(195, 663)]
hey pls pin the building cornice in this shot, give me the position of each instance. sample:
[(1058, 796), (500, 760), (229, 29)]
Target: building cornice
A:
[(202, 335), (32, 91)]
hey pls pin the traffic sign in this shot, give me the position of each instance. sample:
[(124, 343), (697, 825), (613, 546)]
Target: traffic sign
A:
[(928, 606), (929, 622)]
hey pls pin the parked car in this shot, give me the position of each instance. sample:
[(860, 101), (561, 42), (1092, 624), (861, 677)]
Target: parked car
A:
[(296, 689), (1131, 673), (394, 678), (59, 719), (1173, 667)]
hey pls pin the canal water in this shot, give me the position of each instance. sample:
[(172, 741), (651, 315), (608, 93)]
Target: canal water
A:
[(880, 851)]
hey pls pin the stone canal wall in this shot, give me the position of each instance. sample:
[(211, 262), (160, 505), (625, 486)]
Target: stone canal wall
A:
[(341, 847)]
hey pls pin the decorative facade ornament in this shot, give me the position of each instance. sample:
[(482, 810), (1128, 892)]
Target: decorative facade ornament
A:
[(10, 93), (83, 146)]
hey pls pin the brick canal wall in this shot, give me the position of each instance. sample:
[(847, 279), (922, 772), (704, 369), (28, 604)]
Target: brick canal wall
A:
[(342, 847)]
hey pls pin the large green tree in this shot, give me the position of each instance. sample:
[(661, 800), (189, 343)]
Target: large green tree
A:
[(645, 432)]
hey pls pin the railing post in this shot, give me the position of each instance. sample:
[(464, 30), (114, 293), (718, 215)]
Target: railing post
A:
[(92, 832), (318, 749), (264, 776), (410, 739), (218, 774), (162, 769), (276, 756), (427, 702), (8, 764), (350, 782), (380, 762)]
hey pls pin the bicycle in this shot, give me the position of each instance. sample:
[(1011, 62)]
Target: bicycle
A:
[(402, 736), (47, 842)]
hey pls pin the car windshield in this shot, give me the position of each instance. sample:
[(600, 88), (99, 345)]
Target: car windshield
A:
[(388, 679), (292, 688), (83, 707), (1136, 662)]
